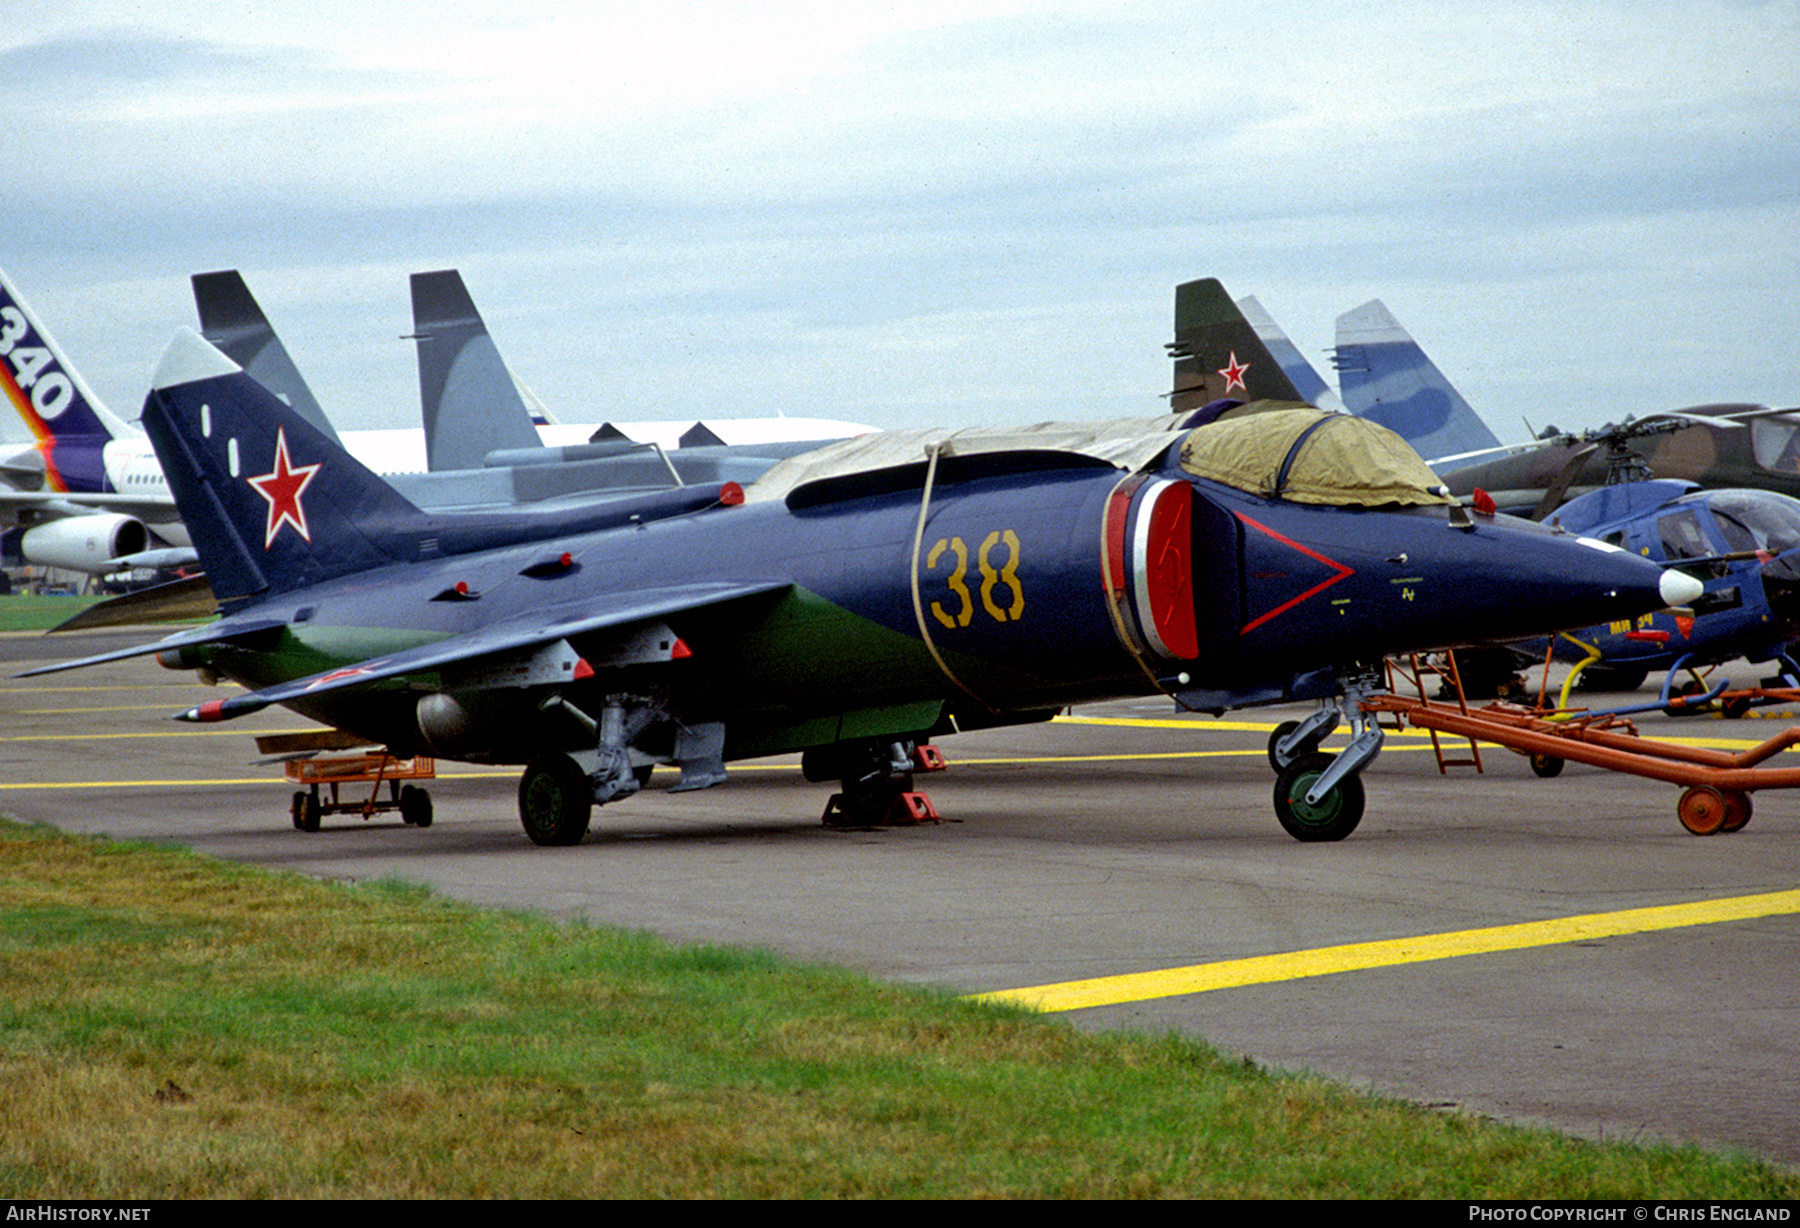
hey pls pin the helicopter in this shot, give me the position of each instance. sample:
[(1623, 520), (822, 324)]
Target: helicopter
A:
[(1743, 545)]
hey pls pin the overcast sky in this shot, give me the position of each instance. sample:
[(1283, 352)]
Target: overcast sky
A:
[(930, 212)]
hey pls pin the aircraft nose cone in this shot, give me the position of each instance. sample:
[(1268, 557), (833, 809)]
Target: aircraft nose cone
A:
[(1679, 588)]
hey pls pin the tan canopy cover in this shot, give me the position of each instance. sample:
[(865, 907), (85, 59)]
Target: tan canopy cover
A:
[(1345, 461), (1128, 443)]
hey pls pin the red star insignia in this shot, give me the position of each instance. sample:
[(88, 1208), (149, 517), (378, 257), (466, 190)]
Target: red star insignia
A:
[(349, 671), (1234, 373), (282, 487)]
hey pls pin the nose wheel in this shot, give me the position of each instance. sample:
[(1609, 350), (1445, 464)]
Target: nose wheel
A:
[(1319, 796), (1332, 816)]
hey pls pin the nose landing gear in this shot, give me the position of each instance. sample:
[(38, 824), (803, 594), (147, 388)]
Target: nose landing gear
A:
[(1319, 797)]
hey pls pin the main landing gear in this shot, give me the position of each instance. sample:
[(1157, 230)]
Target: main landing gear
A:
[(556, 801), (1319, 797), (558, 792), (876, 779)]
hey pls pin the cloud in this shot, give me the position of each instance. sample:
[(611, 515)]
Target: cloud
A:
[(800, 206)]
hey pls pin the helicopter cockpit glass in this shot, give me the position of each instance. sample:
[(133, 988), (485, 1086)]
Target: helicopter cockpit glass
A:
[(1775, 442), (1682, 537), (1757, 520)]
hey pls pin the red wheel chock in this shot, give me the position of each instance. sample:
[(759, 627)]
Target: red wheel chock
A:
[(907, 810), (911, 809), (928, 758)]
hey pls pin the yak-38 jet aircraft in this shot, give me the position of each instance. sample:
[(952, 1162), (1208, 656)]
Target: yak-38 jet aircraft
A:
[(849, 602)]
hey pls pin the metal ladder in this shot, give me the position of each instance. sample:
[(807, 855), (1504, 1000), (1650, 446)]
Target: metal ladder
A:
[(1413, 669)]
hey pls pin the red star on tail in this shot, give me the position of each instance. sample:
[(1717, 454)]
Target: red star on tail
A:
[(282, 487), (1234, 373)]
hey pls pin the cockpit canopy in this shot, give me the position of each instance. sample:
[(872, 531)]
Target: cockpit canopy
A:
[(1754, 519), (1308, 456)]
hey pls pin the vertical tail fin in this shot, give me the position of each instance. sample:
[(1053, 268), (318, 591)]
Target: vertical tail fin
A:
[(232, 320), (1305, 378), (1386, 378), (70, 425), (471, 405), (1218, 354), (271, 504)]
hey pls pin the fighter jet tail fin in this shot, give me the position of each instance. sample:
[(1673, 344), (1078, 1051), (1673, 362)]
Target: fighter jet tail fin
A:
[(1384, 376), (1218, 354), (232, 320), (1302, 374), (271, 503), (471, 405), (69, 424)]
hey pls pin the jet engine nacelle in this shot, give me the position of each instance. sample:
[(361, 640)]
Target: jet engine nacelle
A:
[(84, 543)]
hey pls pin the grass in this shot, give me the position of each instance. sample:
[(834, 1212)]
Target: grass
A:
[(177, 1028), (22, 612)]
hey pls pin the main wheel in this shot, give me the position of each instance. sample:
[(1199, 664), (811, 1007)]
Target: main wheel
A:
[(415, 806), (555, 801), (1333, 817), (1702, 810)]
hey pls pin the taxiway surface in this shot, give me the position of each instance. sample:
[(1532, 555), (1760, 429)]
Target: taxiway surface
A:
[(1121, 842)]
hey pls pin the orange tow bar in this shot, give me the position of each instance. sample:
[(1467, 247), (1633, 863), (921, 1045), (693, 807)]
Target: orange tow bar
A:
[(1717, 783)]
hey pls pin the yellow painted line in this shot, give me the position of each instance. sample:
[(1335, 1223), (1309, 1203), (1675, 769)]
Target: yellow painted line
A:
[(486, 775), (146, 784), (1207, 726), (79, 711), (240, 780), (1361, 956), (1252, 753), (1202, 725), (152, 686), (172, 733), (1146, 722), (1196, 726)]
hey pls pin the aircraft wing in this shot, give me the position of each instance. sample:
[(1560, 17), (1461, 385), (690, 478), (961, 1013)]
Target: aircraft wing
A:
[(214, 633), (150, 507), (175, 601), (533, 630)]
